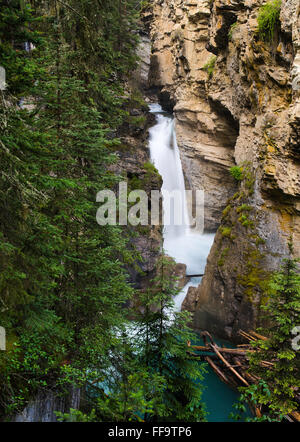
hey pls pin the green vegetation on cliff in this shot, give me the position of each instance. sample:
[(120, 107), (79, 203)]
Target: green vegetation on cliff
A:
[(210, 66), (269, 19)]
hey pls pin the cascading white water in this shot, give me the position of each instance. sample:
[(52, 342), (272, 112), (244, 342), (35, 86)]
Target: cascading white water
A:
[(186, 246), (181, 242)]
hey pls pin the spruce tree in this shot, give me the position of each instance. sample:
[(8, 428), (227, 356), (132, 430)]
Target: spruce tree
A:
[(163, 335), (63, 285), (275, 392)]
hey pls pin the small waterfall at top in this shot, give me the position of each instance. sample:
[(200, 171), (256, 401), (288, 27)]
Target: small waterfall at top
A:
[(180, 241)]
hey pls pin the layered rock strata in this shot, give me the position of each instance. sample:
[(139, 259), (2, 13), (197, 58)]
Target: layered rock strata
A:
[(236, 99)]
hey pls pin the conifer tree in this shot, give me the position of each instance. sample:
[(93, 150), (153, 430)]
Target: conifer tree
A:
[(63, 285), (163, 335), (275, 392), (151, 376)]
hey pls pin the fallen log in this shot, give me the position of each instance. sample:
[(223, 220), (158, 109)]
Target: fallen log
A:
[(217, 370), (252, 335), (267, 364), (206, 335), (244, 370), (258, 336), (295, 415), (247, 336), (233, 351), (238, 363), (229, 366)]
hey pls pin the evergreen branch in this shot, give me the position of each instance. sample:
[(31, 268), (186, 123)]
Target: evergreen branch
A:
[(74, 10)]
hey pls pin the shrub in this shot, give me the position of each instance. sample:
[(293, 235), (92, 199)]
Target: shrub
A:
[(237, 172), (210, 65), (149, 167), (269, 19)]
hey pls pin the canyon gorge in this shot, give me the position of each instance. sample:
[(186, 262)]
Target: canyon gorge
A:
[(236, 102), (127, 320)]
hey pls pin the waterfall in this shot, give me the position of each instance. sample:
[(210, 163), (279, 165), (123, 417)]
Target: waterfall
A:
[(181, 242)]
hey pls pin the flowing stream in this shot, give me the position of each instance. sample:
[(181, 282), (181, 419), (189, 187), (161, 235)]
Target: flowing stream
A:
[(185, 245)]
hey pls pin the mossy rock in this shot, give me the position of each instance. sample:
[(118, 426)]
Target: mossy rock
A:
[(226, 232), (223, 256), (255, 278)]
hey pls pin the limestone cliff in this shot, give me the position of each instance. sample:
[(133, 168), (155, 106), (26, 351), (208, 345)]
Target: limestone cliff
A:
[(236, 99)]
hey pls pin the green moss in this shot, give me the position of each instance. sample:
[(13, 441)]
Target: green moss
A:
[(255, 278), (269, 19), (136, 100), (237, 195), (244, 173), (260, 241), (149, 174), (232, 28), (236, 172), (243, 208), (145, 5), (249, 183), (248, 178), (210, 65), (223, 255), (245, 221), (226, 210), (226, 232), (143, 230)]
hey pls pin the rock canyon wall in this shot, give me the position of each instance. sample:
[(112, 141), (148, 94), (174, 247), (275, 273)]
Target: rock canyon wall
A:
[(236, 100)]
